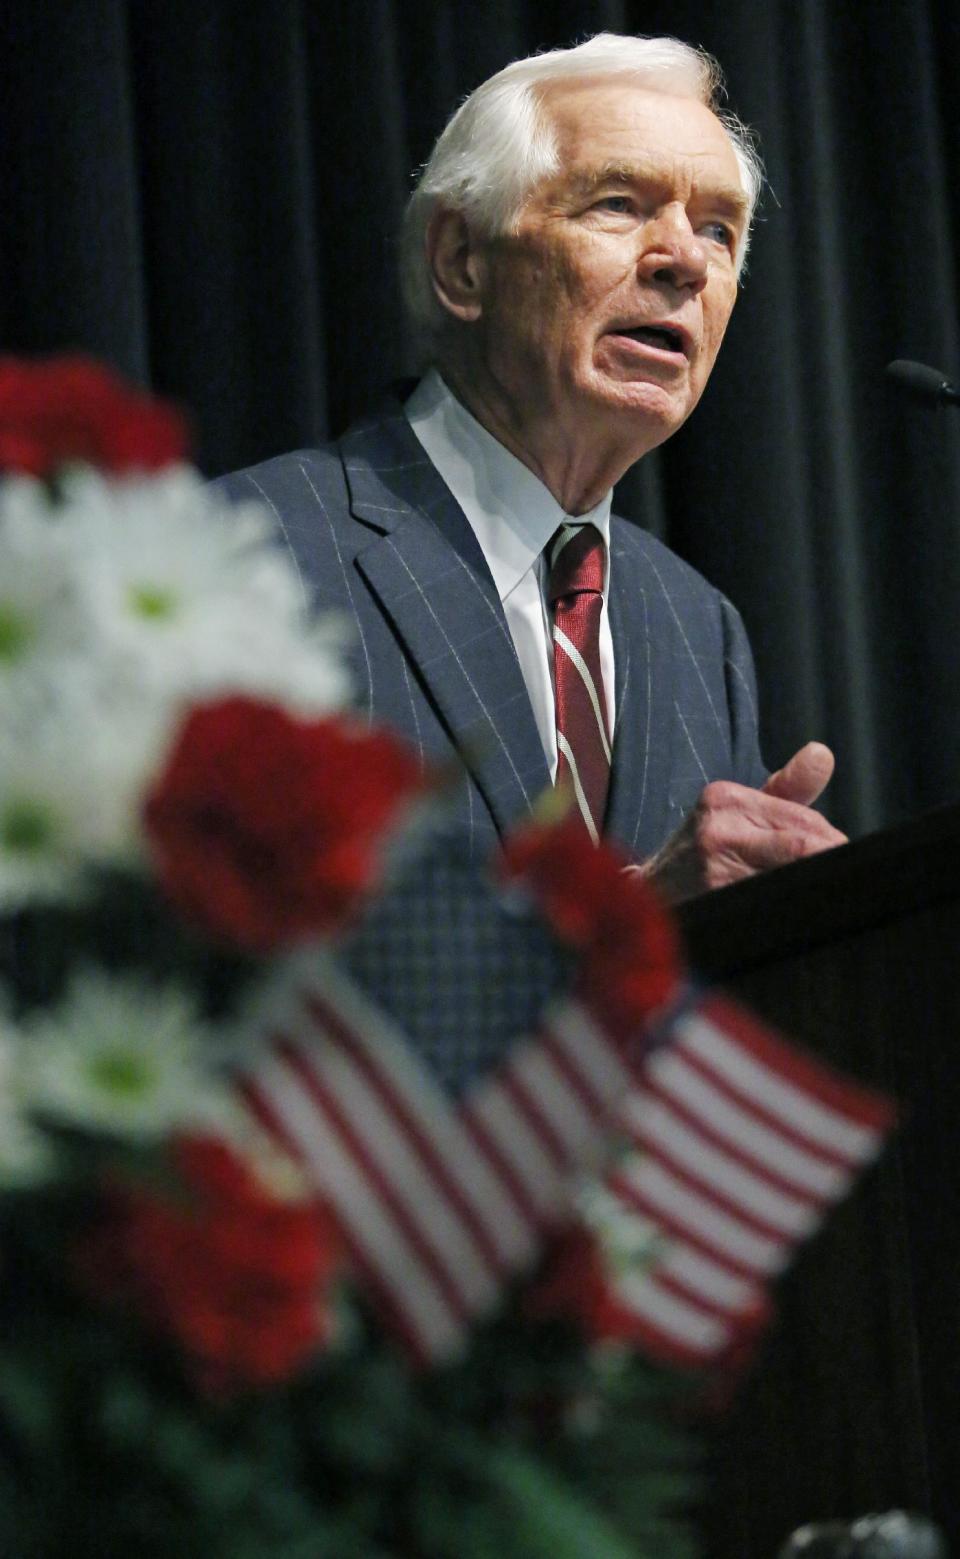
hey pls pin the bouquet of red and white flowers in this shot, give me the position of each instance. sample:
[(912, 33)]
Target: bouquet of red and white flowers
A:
[(204, 1348)]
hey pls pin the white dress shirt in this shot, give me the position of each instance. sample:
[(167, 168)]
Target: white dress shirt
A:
[(513, 517)]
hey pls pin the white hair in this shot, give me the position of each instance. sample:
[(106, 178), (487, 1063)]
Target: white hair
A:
[(500, 145)]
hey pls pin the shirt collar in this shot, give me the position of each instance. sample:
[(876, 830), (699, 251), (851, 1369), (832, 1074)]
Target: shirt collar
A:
[(512, 513)]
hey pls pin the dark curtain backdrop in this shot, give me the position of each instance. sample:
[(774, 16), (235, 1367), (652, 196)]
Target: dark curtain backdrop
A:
[(207, 195)]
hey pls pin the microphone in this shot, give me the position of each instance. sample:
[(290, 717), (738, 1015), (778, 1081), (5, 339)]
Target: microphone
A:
[(929, 386)]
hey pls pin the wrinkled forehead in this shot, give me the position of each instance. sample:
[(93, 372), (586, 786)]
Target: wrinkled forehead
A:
[(600, 122)]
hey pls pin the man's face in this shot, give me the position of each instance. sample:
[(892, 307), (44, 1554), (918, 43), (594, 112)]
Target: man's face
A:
[(606, 309)]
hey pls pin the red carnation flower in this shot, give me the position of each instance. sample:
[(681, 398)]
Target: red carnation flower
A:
[(574, 1287), (72, 408), (232, 1274), (266, 828), (630, 963)]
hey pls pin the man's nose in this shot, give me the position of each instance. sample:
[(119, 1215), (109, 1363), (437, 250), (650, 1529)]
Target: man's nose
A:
[(672, 253)]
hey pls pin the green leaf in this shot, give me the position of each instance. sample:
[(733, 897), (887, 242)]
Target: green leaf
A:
[(548, 1518)]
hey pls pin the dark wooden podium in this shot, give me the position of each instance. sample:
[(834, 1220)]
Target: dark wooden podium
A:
[(855, 1404)]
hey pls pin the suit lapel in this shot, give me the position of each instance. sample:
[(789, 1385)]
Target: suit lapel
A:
[(427, 572), (640, 765)]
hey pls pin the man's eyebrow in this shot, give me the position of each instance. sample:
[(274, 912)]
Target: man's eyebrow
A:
[(584, 180), (726, 198)]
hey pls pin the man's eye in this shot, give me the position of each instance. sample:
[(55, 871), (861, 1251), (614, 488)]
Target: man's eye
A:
[(721, 233), (617, 203)]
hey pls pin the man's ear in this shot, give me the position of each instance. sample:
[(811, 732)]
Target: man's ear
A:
[(456, 264)]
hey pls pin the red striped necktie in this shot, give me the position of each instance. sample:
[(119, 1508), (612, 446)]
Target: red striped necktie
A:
[(575, 592)]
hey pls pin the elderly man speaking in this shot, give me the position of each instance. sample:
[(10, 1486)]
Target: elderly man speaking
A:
[(571, 258)]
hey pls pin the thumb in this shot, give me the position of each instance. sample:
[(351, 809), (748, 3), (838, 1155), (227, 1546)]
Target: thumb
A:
[(804, 777)]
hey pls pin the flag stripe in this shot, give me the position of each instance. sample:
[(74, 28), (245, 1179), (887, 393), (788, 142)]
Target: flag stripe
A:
[(543, 1083), (678, 1207), (513, 1093), (374, 1175), (503, 1236), (738, 1132), (657, 1127), (838, 1093), (670, 1322), (707, 1282), (398, 1163), (589, 1049), (534, 1204), (699, 1061), (256, 1097), (376, 1240), (507, 1135), (577, 1078), (765, 1077)]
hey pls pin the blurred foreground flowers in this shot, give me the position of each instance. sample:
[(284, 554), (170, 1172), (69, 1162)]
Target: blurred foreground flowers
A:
[(265, 1289)]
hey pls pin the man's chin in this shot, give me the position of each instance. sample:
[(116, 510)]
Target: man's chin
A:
[(659, 407)]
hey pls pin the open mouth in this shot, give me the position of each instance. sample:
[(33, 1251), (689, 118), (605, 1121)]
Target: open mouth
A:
[(663, 337)]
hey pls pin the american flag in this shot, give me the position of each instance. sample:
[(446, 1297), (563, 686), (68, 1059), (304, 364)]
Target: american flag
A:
[(736, 1145)]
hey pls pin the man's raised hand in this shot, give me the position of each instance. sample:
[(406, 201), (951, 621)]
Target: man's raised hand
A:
[(735, 832)]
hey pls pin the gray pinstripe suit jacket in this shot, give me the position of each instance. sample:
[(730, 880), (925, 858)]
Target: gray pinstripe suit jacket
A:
[(376, 533)]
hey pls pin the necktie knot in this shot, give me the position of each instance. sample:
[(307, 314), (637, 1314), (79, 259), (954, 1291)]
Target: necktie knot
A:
[(576, 557)]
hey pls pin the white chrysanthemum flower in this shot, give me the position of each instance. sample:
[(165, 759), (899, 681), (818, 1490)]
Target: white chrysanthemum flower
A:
[(191, 598), (120, 609), (35, 577), (118, 1057), (26, 1157), (75, 764)]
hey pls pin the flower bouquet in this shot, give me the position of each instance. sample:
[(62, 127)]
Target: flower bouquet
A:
[(271, 1282)]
